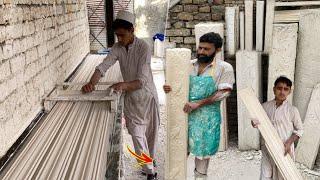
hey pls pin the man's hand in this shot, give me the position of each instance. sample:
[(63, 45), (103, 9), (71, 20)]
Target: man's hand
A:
[(167, 88), (255, 122), (119, 87), (89, 87), (190, 106)]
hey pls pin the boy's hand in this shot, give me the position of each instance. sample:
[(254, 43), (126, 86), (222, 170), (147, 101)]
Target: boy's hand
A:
[(287, 148), (255, 122), (167, 88), (190, 106)]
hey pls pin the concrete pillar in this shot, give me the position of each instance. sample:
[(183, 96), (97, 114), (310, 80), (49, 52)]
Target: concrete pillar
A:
[(307, 64), (259, 25), (248, 75), (249, 24), (177, 76), (242, 34), (283, 55), (231, 34)]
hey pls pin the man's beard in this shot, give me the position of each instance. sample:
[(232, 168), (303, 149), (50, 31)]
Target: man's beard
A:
[(205, 59)]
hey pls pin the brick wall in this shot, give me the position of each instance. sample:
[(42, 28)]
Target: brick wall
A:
[(41, 43), (180, 29)]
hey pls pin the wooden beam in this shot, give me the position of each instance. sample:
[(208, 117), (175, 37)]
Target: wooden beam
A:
[(269, 26), (270, 135), (177, 76), (308, 146), (298, 3)]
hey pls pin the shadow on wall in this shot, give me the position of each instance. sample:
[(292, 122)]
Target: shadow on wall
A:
[(150, 18)]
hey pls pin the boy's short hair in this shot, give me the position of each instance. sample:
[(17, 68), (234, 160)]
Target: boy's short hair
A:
[(119, 23), (283, 79), (213, 38)]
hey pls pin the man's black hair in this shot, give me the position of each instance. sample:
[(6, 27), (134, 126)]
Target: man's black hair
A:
[(213, 38), (119, 23), (283, 79)]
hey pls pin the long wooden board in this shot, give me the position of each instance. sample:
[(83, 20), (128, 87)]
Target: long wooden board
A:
[(273, 142), (308, 146)]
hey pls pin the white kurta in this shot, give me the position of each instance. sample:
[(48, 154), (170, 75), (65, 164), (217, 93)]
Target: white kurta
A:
[(286, 120), (141, 108)]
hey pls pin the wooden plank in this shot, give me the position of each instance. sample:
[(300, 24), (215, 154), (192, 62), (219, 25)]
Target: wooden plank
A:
[(283, 55), (177, 76), (308, 146), (298, 3), (269, 26), (259, 25), (270, 135), (248, 64), (242, 33), (248, 24)]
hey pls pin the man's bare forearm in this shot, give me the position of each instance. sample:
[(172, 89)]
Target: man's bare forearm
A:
[(218, 96), (133, 85), (95, 77)]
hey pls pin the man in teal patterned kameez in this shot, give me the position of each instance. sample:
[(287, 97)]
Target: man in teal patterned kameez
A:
[(211, 80)]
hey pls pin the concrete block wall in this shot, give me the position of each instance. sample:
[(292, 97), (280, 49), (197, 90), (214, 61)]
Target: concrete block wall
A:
[(41, 43)]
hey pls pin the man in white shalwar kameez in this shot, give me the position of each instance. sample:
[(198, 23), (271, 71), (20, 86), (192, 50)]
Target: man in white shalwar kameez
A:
[(285, 118), (141, 109)]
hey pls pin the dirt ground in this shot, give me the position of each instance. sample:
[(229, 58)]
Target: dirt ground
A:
[(229, 165)]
